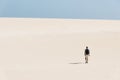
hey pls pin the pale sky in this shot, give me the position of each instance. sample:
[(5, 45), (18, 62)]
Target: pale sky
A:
[(78, 9)]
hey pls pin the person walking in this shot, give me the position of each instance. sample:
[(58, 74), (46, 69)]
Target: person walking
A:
[(86, 53)]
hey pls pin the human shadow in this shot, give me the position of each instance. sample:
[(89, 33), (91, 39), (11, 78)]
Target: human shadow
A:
[(77, 63)]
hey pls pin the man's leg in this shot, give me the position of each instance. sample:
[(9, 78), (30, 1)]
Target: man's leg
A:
[(86, 58)]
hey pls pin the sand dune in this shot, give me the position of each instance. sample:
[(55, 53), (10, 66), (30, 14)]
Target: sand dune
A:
[(52, 49)]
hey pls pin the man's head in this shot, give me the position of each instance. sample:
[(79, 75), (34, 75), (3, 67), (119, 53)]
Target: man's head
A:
[(86, 47)]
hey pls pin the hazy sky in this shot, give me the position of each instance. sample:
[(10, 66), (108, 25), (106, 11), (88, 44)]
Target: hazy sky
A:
[(81, 9)]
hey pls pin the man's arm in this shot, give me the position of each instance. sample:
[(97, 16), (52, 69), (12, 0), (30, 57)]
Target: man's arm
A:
[(89, 52)]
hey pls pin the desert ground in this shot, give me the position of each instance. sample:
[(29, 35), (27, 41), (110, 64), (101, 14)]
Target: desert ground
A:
[(53, 49)]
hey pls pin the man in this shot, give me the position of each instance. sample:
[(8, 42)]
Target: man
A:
[(87, 53)]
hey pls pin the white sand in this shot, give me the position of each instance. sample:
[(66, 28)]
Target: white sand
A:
[(52, 49)]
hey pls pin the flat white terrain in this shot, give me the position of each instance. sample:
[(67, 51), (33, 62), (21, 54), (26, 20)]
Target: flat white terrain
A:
[(53, 49)]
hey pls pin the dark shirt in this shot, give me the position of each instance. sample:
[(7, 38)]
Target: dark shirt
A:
[(87, 52)]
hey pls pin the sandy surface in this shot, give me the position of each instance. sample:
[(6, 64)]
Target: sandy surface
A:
[(53, 49)]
